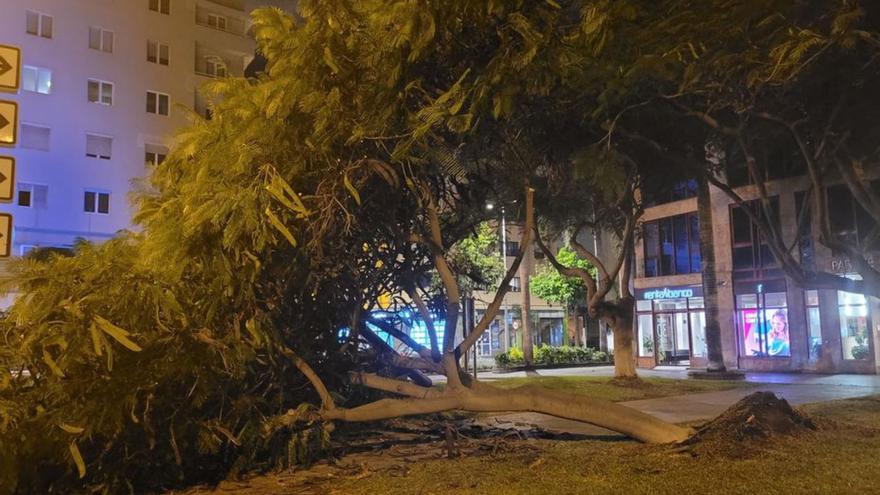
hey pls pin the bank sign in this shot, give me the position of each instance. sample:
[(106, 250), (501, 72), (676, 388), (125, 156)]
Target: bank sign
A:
[(661, 293)]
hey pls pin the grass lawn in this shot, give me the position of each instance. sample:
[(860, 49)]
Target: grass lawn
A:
[(603, 388), (841, 458)]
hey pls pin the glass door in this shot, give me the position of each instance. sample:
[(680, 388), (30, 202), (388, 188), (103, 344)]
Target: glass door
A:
[(664, 329)]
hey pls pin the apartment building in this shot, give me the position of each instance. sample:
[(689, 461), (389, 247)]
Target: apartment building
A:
[(105, 85), (552, 323), (768, 323)]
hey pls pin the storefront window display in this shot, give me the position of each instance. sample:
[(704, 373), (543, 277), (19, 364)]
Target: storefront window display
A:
[(814, 324), (763, 323), (671, 324), (854, 325)]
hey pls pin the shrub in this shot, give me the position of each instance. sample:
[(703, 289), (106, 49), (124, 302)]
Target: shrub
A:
[(549, 355)]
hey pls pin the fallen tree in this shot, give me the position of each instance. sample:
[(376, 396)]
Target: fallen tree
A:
[(462, 393)]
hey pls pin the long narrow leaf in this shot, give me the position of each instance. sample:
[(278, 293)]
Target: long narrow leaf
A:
[(276, 222), (117, 333), (77, 459)]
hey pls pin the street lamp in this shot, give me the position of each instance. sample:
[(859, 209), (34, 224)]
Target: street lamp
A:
[(490, 207)]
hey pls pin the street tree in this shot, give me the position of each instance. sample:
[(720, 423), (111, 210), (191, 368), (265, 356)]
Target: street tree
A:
[(552, 286)]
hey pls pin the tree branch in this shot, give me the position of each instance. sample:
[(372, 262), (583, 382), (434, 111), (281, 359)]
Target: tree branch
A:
[(401, 387), (326, 399), (492, 310), (429, 322)]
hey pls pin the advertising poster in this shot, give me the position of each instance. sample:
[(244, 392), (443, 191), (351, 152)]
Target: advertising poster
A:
[(765, 333)]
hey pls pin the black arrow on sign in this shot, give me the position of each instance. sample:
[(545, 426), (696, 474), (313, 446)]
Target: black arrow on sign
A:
[(2, 178), (3, 121), (4, 66)]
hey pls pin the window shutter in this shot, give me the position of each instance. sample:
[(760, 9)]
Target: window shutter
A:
[(99, 146), (46, 26), (34, 137), (33, 22), (107, 44), (95, 38), (41, 197)]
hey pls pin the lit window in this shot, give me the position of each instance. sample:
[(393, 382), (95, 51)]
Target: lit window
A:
[(39, 24), (217, 21), (157, 53), (100, 92), (814, 323), (101, 39), (154, 154), (161, 6), (96, 202), (32, 195), (35, 137), (36, 79), (157, 103), (515, 284), (854, 326), (762, 319), (99, 146)]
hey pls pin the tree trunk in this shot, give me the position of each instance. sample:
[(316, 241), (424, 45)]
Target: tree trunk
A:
[(525, 271), (622, 324), (710, 286), (531, 398), (571, 318)]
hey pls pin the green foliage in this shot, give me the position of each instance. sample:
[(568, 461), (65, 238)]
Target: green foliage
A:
[(551, 286), (546, 355), (476, 260)]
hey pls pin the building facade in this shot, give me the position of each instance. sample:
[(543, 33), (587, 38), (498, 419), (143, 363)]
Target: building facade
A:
[(768, 323), (105, 85)]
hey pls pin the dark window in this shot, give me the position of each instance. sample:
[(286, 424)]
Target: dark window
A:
[(752, 256), (841, 214), (805, 231), (512, 248), (696, 259), (652, 253), (96, 202), (24, 198), (849, 221), (672, 246), (678, 191)]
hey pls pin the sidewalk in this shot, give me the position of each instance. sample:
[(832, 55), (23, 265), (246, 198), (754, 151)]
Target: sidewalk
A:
[(796, 388)]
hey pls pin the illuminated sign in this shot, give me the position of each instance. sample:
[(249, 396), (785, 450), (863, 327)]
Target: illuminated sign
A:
[(661, 293)]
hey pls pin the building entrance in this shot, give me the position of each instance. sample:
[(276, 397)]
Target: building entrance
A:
[(673, 339)]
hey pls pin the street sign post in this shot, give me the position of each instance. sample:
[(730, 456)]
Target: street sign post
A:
[(7, 178), (10, 68), (5, 235), (8, 123)]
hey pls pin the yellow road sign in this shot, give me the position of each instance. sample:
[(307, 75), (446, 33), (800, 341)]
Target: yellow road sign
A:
[(7, 178), (10, 68), (5, 235), (8, 123)]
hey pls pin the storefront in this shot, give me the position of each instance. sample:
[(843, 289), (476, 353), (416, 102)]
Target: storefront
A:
[(671, 326)]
